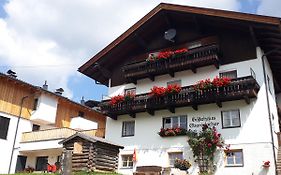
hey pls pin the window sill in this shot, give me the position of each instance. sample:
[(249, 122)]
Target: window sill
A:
[(126, 168), (238, 165), (228, 127), (128, 136)]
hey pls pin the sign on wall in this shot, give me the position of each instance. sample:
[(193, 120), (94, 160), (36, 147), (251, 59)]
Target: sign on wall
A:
[(196, 123)]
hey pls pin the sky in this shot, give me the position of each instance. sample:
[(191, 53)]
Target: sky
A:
[(50, 39)]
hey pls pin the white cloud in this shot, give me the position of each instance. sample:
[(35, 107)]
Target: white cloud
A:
[(67, 32), (270, 8)]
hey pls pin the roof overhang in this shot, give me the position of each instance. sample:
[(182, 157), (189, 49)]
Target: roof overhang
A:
[(266, 30)]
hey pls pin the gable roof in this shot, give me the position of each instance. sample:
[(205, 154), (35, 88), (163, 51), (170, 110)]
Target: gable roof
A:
[(90, 139), (40, 89), (262, 22)]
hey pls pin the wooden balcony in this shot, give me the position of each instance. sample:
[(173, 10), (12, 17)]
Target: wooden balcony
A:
[(57, 133), (198, 57), (240, 88)]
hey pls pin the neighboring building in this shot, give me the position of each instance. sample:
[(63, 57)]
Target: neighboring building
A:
[(45, 119), (219, 43)]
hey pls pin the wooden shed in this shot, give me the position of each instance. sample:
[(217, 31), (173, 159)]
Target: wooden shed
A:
[(90, 153)]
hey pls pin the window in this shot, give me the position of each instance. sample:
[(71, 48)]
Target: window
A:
[(173, 156), (81, 114), (175, 82), (35, 127), (127, 161), (174, 122), (229, 74), (128, 128), (35, 104), (41, 163), (231, 118), (130, 91), (4, 123), (234, 158)]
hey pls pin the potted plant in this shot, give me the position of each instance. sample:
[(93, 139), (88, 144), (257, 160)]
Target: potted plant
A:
[(182, 164), (165, 132), (157, 91), (173, 89), (116, 100)]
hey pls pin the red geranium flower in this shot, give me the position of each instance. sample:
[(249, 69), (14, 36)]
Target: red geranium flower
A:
[(179, 51), (157, 91), (173, 88), (116, 99), (164, 54)]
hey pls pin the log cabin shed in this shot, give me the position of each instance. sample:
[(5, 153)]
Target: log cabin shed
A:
[(90, 153)]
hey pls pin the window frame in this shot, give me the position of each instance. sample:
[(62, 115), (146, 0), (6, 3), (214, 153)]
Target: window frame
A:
[(228, 71), (123, 127), (179, 116), (127, 161), (239, 116), (129, 90), (234, 159), (5, 129), (176, 152)]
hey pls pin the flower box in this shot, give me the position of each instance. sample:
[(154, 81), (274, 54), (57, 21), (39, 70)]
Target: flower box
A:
[(168, 132)]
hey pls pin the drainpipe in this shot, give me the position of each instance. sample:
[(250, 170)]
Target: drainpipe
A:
[(268, 106), (15, 137)]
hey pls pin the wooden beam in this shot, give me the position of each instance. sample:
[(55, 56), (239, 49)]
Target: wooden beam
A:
[(219, 104), (172, 74), (253, 35), (151, 112), (271, 40), (217, 65), (193, 69), (269, 35), (133, 115), (195, 107), (114, 117), (171, 109), (247, 99), (151, 77)]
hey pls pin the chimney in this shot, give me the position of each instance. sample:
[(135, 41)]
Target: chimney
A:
[(82, 101), (45, 86), (12, 73), (59, 91)]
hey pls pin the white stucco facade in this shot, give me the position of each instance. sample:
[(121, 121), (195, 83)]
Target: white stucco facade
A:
[(7, 144), (46, 110), (253, 137), (81, 123)]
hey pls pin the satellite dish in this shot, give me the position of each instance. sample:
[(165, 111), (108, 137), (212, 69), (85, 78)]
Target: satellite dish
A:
[(170, 35)]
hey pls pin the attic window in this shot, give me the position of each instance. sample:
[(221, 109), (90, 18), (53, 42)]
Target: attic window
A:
[(81, 114)]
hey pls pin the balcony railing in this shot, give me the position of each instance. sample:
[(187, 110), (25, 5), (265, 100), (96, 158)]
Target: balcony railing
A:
[(198, 57), (239, 88), (57, 133)]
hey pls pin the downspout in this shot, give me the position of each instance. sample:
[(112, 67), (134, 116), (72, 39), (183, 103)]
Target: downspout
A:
[(16, 132), (268, 106)]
